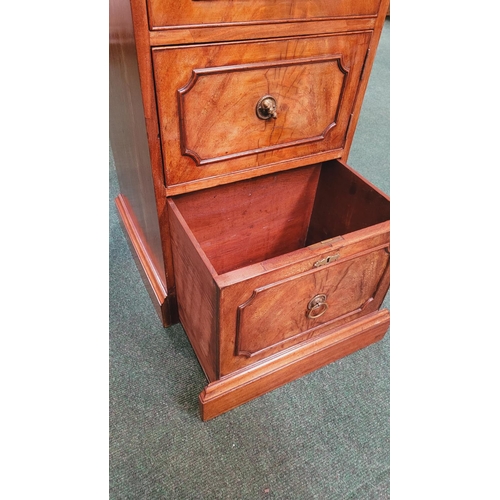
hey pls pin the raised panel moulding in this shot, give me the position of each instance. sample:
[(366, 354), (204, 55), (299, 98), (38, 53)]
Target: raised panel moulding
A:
[(215, 126), (268, 305)]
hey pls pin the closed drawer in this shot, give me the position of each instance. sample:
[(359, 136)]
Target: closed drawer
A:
[(165, 14), (211, 102), (266, 264)]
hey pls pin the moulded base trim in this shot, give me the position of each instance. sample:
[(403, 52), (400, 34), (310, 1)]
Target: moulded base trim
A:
[(164, 305), (244, 385)]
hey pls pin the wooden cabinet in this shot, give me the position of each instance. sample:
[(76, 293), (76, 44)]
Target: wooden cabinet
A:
[(230, 123)]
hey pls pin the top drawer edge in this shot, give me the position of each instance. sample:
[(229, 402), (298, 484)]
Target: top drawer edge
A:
[(174, 35), (187, 14)]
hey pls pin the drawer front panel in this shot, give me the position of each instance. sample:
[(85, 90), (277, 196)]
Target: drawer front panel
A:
[(166, 14), (290, 310), (208, 99), (308, 93)]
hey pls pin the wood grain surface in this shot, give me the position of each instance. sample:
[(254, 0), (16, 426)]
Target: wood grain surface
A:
[(251, 237), (207, 97), (196, 294), (253, 220), (134, 138), (241, 221), (170, 13), (245, 385)]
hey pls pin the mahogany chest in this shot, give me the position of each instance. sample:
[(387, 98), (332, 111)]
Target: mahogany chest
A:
[(230, 123)]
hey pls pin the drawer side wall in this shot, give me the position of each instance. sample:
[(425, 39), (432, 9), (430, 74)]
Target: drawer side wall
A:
[(196, 293), (345, 202)]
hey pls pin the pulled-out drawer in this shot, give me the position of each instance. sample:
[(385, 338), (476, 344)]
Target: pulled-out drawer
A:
[(247, 108), (273, 262)]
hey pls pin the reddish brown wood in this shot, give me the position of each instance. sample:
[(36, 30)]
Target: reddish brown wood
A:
[(264, 223), (384, 5), (127, 128), (251, 221), (233, 177), (196, 294), (247, 31), (150, 274), (313, 79), (245, 385), (166, 14), (261, 307), (133, 128), (230, 215), (224, 130), (302, 259), (141, 34), (345, 202), (349, 286), (274, 336)]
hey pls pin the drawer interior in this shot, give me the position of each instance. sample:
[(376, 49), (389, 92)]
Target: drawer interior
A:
[(253, 220)]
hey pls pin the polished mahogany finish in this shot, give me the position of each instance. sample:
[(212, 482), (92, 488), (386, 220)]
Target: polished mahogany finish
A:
[(175, 14), (245, 385), (313, 80), (240, 251), (133, 126), (230, 124)]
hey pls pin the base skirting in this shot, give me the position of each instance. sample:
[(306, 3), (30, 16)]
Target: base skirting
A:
[(240, 387), (142, 256)]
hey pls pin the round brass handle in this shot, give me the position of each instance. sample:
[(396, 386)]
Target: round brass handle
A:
[(317, 306), (266, 108)]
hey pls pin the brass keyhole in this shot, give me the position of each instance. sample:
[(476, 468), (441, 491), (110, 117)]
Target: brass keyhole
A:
[(267, 108)]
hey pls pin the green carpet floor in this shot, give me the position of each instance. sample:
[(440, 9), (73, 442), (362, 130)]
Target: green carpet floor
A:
[(325, 436)]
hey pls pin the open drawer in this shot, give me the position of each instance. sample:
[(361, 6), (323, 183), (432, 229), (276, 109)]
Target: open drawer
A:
[(270, 263)]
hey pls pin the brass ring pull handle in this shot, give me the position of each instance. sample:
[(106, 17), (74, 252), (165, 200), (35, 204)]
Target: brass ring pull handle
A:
[(266, 108), (317, 306)]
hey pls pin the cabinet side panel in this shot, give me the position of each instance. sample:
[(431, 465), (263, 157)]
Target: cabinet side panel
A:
[(127, 130), (379, 25)]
